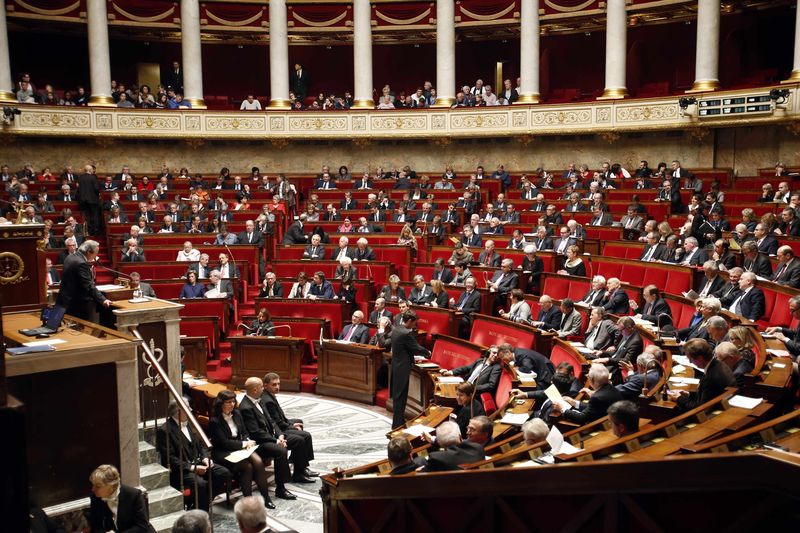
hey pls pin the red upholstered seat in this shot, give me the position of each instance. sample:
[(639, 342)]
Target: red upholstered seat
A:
[(334, 311), (449, 352), (633, 274), (677, 282), (501, 396), (778, 313), (578, 288), (560, 354), (556, 287), (487, 331)]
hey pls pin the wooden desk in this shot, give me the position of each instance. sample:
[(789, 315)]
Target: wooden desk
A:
[(195, 355), (432, 417), (349, 370), (80, 402), (500, 430), (420, 391), (256, 356)]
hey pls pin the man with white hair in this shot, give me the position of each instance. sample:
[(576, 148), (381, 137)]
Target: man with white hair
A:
[(189, 253), (596, 292), (194, 521), (534, 430), (750, 303), (648, 372), (601, 395), (549, 315), (693, 254), (132, 252), (503, 280), (251, 515), (343, 250), (728, 353), (616, 299), (488, 256), (356, 331), (453, 451), (218, 287)]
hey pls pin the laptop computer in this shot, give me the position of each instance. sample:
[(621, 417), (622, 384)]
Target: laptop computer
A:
[(52, 318)]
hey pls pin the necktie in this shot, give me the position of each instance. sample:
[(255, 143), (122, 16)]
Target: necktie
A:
[(649, 254), (589, 299), (350, 333), (734, 308), (629, 223), (780, 272)]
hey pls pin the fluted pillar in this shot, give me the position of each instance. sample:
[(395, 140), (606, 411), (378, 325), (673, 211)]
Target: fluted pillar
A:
[(445, 53), (99, 56), (616, 50), (362, 55), (528, 53), (7, 89), (795, 76), (706, 67), (278, 55), (191, 52)]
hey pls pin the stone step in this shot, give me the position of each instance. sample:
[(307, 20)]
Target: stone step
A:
[(163, 524), (164, 500), (147, 453), (153, 476)]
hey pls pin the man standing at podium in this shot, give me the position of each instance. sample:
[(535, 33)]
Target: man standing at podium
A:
[(78, 293), (404, 348)]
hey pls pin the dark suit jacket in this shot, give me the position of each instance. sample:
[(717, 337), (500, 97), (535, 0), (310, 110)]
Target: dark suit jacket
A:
[(617, 302), (716, 378), (222, 440), (259, 426), (716, 285), (488, 378), (364, 255), (469, 303), (294, 235), (258, 238), (453, 456), (760, 266), (386, 293), (446, 275), (753, 304), (361, 334), (651, 313), (466, 413), (606, 336), (596, 407), (597, 298), (509, 282), (420, 297), (789, 276), (88, 189), (632, 388), (659, 253), (271, 406), (78, 294), (375, 315), (551, 318), (769, 245), (132, 513), (533, 361), (543, 244), (183, 453)]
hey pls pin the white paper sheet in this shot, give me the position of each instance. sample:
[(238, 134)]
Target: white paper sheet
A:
[(744, 402), (514, 419), (778, 353), (450, 379), (240, 455), (685, 381), (417, 430), (43, 343)]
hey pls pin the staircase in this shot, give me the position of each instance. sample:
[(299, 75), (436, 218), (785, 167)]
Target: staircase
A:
[(165, 503)]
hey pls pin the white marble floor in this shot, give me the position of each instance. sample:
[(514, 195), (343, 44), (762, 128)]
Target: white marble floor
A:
[(346, 435)]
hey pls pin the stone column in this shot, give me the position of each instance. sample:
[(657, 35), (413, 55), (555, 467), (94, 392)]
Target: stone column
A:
[(528, 53), (445, 53), (616, 50), (191, 53), (362, 55), (99, 56), (278, 55), (7, 89), (793, 78), (706, 67)]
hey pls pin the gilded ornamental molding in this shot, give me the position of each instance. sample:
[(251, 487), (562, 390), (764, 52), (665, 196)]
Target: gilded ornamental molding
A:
[(519, 121)]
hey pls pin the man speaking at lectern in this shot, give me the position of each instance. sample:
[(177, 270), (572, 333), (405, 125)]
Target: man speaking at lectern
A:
[(78, 294), (404, 348)]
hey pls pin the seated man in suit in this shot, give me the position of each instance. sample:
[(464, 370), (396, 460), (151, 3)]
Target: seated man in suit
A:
[(356, 331), (728, 353), (379, 311), (648, 372), (596, 293), (529, 361), (712, 282), (549, 315), (488, 256), (788, 270), (129, 510), (502, 282), (484, 372), (601, 218), (571, 321), (441, 272), (655, 309), (320, 288), (421, 293), (624, 418), (754, 261), (399, 453), (628, 346), (633, 220), (315, 250), (218, 287), (345, 270), (188, 459), (751, 303), (137, 284), (363, 252), (767, 244), (693, 254), (655, 249), (715, 379), (602, 395), (542, 241), (469, 302), (132, 253), (227, 270), (452, 450), (296, 437), (616, 300)]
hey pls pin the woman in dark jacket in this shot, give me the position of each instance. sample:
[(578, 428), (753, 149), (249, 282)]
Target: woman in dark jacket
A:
[(440, 297), (228, 434), (192, 289), (469, 406), (393, 292)]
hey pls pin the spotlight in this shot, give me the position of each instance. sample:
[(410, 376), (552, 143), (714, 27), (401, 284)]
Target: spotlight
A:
[(779, 96), (8, 115)]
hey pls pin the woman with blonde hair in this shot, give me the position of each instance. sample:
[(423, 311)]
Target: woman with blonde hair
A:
[(573, 264), (407, 238), (439, 294)]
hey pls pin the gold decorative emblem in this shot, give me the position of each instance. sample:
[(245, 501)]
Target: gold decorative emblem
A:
[(11, 268)]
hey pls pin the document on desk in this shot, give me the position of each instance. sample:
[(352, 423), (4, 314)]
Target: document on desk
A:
[(22, 350), (514, 419), (49, 342), (418, 429), (685, 381), (778, 353), (109, 287), (452, 380), (744, 402), (240, 455), (525, 376), (557, 443)]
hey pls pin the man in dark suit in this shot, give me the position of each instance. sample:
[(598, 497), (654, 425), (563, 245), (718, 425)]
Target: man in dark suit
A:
[(380, 311), (421, 293), (174, 78), (404, 348), (470, 238), (89, 199), (469, 302), (250, 235), (270, 438), (601, 218), (602, 395), (648, 372), (754, 261), (730, 291), (715, 379), (596, 292), (484, 372), (452, 450), (712, 282), (294, 234), (616, 300), (751, 303), (399, 453), (78, 294), (655, 308), (549, 315), (788, 271), (670, 194), (356, 331), (348, 203), (441, 272), (502, 282), (488, 256), (529, 361), (767, 244), (107, 492), (628, 346), (655, 250), (188, 460), (790, 223), (693, 254), (300, 82), (296, 437)]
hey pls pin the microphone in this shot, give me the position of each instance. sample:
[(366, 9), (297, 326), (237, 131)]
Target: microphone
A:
[(287, 326), (96, 263), (658, 322), (233, 259)]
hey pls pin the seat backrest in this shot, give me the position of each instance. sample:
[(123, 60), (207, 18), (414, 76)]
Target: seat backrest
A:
[(448, 353), (560, 354), (487, 331)]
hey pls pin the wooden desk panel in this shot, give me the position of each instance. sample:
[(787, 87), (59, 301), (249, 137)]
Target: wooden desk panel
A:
[(256, 356), (349, 370)]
